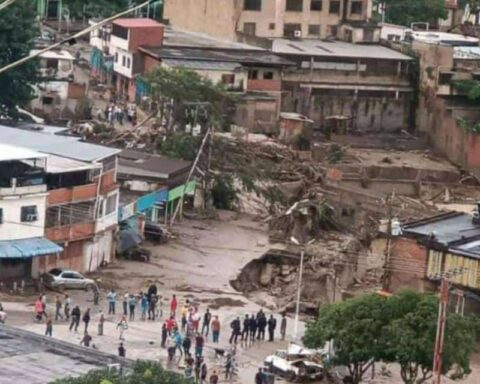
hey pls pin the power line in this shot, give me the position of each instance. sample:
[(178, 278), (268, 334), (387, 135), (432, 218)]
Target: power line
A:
[(6, 3), (71, 38)]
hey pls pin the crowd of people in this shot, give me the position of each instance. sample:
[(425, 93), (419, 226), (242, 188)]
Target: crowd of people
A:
[(121, 112), (184, 331)]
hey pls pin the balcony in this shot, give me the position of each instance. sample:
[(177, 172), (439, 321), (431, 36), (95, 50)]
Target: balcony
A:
[(264, 85), (73, 194), (71, 232)]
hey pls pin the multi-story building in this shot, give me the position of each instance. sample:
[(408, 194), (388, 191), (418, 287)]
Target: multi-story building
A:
[(81, 197), (233, 19), (23, 203)]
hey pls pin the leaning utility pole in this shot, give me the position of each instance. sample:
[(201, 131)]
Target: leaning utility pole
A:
[(388, 247), (442, 319)]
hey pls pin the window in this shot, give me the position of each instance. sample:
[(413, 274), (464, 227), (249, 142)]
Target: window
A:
[(1, 215), (116, 57), (28, 214), (250, 28), (332, 30), (128, 62), (294, 6), (334, 8), (253, 74), (314, 29), (120, 32), (124, 60), (252, 5), (271, 26), (228, 78), (268, 75), (111, 204), (289, 29), (316, 5), (444, 78), (357, 8)]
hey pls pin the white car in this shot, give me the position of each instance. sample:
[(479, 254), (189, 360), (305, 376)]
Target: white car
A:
[(63, 279), (296, 366)]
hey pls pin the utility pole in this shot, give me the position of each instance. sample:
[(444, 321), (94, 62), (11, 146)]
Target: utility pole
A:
[(299, 291), (388, 247), (442, 319)]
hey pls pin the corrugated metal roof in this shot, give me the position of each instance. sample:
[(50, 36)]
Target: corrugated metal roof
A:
[(25, 248), (466, 53), (63, 146), (12, 152), (57, 164), (322, 48), (205, 65)]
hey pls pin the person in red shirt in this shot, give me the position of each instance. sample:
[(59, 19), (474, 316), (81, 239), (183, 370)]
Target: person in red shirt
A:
[(173, 305), (171, 324)]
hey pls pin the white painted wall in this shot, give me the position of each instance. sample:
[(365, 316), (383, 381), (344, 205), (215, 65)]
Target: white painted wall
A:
[(118, 64), (12, 227), (98, 250), (108, 219)]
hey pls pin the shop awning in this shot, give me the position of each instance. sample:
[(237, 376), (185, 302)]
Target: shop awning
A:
[(25, 248)]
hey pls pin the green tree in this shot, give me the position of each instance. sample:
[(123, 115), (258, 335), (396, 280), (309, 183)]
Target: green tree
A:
[(172, 89), (18, 29), (355, 326), (405, 12), (104, 8)]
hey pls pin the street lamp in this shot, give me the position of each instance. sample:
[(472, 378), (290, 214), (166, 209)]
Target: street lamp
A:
[(299, 287)]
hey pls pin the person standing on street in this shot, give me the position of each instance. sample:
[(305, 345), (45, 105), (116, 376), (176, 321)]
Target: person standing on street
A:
[(75, 318), (207, 317), (39, 312), (122, 326), (111, 299), (122, 352), (132, 302), (151, 307), (58, 308), (101, 321), (228, 366), (236, 330), (199, 342), (86, 319), (66, 307), (125, 304), (213, 378), (49, 326), (144, 306), (203, 372), (173, 306), (272, 324), (262, 324), (246, 328), (164, 335), (253, 328), (259, 376), (283, 326), (187, 344), (216, 329)]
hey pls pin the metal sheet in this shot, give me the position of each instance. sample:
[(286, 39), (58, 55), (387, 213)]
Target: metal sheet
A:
[(26, 248)]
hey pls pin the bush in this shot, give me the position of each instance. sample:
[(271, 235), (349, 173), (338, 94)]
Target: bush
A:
[(224, 193)]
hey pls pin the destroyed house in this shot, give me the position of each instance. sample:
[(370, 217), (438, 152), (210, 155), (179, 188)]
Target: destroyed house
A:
[(370, 85), (444, 245), (81, 198)]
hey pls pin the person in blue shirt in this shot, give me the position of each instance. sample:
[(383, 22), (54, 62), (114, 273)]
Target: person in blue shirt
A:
[(144, 306)]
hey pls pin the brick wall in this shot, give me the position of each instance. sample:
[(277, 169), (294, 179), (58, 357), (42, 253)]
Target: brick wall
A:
[(149, 63), (146, 36)]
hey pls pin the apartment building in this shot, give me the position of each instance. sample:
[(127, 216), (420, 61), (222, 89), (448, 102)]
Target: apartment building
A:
[(23, 203), (240, 19), (80, 209)]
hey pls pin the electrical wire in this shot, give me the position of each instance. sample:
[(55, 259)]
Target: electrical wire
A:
[(6, 3), (72, 37)]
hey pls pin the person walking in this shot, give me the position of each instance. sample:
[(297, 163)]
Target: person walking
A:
[(87, 339), (86, 318), (236, 329), (151, 307), (213, 378), (58, 308), (173, 305), (216, 329), (246, 328), (49, 326), (207, 318), (203, 372), (283, 326), (111, 299), (132, 302), (101, 321), (187, 344), (126, 296), (143, 306), (122, 352), (228, 366), (272, 324), (171, 348), (122, 326), (76, 313), (66, 307), (164, 335), (39, 309), (253, 328), (199, 342)]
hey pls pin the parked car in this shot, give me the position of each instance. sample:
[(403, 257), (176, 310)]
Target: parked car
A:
[(66, 279), (297, 366)]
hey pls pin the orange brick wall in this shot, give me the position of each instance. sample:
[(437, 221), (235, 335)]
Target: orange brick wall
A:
[(149, 63), (147, 36), (264, 85)]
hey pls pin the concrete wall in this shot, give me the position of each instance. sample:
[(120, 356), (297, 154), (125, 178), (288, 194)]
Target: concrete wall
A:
[(12, 227), (101, 249), (257, 115), (70, 258), (223, 19)]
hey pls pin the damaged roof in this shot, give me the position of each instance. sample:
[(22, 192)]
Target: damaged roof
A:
[(217, 55), (332, 49)]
